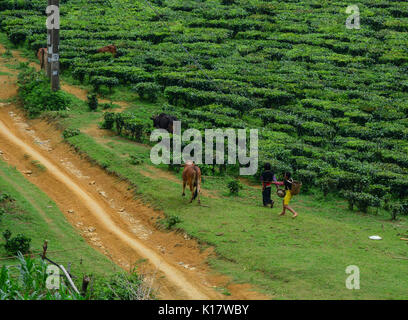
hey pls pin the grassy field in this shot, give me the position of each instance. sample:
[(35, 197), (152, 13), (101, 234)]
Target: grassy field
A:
[(37, 217)]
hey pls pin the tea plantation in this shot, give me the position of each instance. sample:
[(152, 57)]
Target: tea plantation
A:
[(331, 103)]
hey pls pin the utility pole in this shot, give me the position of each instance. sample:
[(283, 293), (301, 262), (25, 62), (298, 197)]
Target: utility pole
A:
[(49, 34), (53, 26)]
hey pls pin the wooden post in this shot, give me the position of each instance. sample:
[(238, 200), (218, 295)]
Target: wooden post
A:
[(55, 70), (49, 49), (45, 246), (85, 283)]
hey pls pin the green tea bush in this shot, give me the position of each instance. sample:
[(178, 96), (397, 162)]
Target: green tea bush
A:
[(92, 101), (99, 81), (109, 120), (148, 90)]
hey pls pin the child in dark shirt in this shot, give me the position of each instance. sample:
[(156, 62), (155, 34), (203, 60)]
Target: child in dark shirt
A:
[(267, 178)]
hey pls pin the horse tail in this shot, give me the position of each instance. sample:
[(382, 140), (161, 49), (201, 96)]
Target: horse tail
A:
[(196, 182)]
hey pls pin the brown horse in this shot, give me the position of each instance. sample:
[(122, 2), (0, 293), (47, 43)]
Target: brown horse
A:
[(192, 177), (42, 55), (111, 48)]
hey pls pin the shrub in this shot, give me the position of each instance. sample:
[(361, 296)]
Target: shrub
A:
[(92, 101), (36, 94), (148, 91), (99, 81), (20, 243), (109, 120), (400, 208), (5, 197), (361, 200), (68, 133), (234, 186), (17, 36), (171, 221), (122, 286)]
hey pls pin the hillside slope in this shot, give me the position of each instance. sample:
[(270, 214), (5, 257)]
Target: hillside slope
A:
[(331, 102)]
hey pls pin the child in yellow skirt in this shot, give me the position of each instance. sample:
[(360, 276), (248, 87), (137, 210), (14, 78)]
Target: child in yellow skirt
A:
[(286, 200)]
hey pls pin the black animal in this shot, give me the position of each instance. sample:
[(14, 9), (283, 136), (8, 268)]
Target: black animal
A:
[(164, 121)]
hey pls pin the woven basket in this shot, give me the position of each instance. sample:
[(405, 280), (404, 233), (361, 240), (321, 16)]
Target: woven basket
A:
[(281, 193), (296, 185)]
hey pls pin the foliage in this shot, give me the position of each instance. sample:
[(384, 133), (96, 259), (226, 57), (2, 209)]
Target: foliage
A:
[(19, 243), (68, 133), (148, 91), (109, 120), (36, 94), (92, 101), (121, 286), (31, 283), (170, 221), (234, 186)]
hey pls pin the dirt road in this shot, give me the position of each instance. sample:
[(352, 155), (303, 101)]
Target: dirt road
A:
[(104, 210), (175, 276)]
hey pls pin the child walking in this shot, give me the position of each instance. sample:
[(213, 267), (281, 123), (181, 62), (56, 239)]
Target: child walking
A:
[(288, 181), (267, 178)]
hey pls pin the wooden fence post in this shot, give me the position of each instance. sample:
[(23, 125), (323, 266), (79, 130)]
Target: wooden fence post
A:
[(45, 246), (85, 283)]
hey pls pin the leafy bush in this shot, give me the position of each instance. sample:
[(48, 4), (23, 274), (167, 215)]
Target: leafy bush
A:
[(234, 186), (5, 197), (148, 91), (362, 200), (170, 221), (129, 124), (109, 120), (36, 94), (68, 133), (99, 81), (92, 101), (17, 36), (19, 243)]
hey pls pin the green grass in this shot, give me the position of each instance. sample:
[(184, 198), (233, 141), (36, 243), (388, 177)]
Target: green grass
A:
[(38, 217)]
